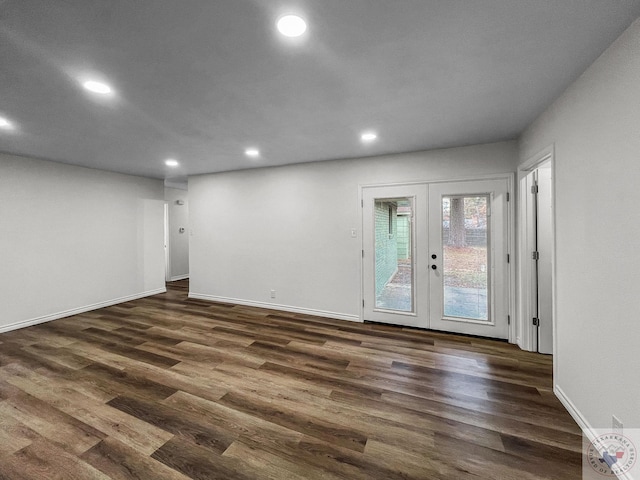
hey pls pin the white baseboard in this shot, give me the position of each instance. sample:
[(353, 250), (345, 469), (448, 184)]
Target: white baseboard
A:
[(582, 422), (574, 412), (273, 306), (179, 277), (76, 311)]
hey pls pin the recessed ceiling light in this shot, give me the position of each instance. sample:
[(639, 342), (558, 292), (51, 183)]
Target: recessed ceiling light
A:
[(170, 162), (368, 137), (252, 152), (291, 25), (5, 124), (97, 87)]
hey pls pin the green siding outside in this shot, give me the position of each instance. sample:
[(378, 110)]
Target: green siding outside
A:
[(404, 237), (386, 243)]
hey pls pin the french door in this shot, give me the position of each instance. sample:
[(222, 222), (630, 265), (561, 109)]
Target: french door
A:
[(395, 241), (435, 256)]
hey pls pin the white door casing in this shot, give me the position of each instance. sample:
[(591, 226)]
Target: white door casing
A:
[(536, 232)]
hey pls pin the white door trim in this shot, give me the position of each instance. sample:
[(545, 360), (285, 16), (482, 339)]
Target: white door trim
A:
[(167, 250), (527, 333)]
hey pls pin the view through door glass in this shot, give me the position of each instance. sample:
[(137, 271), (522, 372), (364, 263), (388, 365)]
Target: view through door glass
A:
[(465, 242), (393, 260), (435, 256)]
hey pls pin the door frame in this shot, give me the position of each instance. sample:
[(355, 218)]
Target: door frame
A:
[(511, 216), (526, 331), (167, 239)]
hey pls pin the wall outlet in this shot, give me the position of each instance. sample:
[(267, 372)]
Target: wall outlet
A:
[(616, 425), (273, 294)]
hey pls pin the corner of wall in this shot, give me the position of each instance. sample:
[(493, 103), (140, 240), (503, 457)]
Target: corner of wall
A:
[(78, 310)]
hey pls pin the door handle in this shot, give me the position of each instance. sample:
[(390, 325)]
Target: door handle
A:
[(433, 267)]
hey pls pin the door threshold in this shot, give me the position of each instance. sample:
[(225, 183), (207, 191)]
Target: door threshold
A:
[(429, 330)]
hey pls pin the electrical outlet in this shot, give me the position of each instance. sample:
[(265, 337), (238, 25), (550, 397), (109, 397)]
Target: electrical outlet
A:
[(273, 294), (616, 424)]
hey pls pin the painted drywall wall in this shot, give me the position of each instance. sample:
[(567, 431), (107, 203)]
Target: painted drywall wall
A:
[(178, 241), (594, 127), (288, 229), (73, 239)]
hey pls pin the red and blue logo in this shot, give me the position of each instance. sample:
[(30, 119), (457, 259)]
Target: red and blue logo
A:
[(611, 454)]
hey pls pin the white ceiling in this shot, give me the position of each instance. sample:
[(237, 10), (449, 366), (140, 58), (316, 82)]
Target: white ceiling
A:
[(202, 80)]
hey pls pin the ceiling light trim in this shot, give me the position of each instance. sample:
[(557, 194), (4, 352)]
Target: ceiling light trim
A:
[(291, 25), (6, 124), (368, 137), (98, 87)]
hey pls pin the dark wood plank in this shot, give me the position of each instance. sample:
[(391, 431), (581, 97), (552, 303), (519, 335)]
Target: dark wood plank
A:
[(198, 430), (43, 459), (65, 431), (297, 421), (177, 388), (197, 462), (118, 461), (119, 382)]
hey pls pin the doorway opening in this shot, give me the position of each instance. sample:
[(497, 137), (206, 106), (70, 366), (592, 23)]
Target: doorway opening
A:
[(176, 231), (167, 252)]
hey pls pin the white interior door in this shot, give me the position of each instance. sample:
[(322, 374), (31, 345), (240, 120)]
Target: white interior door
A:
[(536, 243), (544, 243), (468, 246), (528, 263), (394, 254)]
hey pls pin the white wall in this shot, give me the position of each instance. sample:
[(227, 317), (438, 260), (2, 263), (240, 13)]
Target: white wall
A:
[(73, 239), (289, 228), (178, 242), (595, 127)]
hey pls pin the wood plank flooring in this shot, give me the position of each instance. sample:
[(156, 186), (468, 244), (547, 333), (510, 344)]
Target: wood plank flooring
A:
[(171, 388)]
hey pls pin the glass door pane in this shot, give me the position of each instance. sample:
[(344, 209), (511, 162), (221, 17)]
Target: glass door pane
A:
[(393, 254), (465, 249), (395, 269)]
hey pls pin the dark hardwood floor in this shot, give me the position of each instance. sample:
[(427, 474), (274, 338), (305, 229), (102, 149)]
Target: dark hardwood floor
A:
[(171, 388)]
